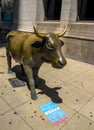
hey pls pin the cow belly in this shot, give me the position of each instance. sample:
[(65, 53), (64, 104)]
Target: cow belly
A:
[(17, 58)]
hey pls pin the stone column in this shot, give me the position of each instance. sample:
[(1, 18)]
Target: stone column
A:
[(25, 14), (65, 11), (73, 16), (40, 11)]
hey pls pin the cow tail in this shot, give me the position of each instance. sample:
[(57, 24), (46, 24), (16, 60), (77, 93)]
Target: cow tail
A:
[(8, 37)]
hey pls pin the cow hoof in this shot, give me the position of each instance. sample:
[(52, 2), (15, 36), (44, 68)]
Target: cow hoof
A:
[(10, 71), (34, 97)]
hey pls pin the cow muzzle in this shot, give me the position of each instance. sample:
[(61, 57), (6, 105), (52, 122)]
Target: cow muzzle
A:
[(60, 64)]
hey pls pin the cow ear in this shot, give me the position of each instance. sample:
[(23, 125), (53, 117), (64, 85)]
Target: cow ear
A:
[(62, 42), (37, 44)]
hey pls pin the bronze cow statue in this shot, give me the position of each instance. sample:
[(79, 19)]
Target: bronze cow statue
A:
[(31, 50)]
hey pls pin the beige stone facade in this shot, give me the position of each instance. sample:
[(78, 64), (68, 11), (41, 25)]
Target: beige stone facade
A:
[(79, 38), (32, 12)]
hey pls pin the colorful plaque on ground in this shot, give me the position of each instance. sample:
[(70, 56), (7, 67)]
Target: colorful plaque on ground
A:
[(54, 113)]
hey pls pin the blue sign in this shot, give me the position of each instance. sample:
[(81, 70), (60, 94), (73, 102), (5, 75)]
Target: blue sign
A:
[(54, 113)]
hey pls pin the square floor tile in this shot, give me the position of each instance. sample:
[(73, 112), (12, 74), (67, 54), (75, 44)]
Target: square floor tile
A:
[(4, 107), (51, 81), (85, 81), (32, 114), (88, 110), (15, 96), (61, 74), (78, 122), (69, 71), (73, 96), (11, 121)]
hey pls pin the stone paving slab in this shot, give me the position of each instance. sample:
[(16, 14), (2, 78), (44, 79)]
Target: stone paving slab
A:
[(70, 71), (71, 88), (78, 122), (12, 121), (85, 81), (31, 113), (88, 110), (4, 107), (73, 96), (15, 96)]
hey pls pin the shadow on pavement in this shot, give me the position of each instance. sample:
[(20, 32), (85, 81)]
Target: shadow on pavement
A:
[(44, 89)]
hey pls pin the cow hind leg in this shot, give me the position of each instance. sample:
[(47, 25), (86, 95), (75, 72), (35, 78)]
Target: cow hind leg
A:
[(9, 62)]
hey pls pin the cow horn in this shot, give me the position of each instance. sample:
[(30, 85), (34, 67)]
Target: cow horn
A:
[(41, 35), (62, 32)]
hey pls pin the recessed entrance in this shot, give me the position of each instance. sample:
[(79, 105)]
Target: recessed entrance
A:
[(86, 10), (52, 9)]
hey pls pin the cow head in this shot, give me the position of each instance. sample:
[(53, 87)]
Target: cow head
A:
[(52, 48)]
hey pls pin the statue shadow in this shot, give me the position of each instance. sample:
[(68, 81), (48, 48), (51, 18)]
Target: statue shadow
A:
[(52, 93)]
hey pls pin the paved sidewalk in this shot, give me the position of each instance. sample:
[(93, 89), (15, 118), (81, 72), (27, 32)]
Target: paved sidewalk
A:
[(71, 88)]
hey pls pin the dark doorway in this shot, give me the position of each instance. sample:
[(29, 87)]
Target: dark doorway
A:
[(85, 10), (89, 10), (52, 9)]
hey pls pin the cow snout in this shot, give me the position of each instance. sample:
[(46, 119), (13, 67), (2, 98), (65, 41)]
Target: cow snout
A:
[(61, 63)]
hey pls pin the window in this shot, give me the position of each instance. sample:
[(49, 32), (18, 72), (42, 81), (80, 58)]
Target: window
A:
[(52, 9), (86, 10), (7, 10)]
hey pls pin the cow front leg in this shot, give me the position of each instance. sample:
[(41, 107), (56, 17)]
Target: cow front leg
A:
[(9, 62), (35, 75), (29, 72)]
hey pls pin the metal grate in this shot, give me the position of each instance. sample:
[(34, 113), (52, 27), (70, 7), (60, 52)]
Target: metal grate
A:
[(16, 82)]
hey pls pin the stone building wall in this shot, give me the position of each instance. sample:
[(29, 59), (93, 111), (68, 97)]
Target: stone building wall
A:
[(25, 14), (31, 12), (79, 37)]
